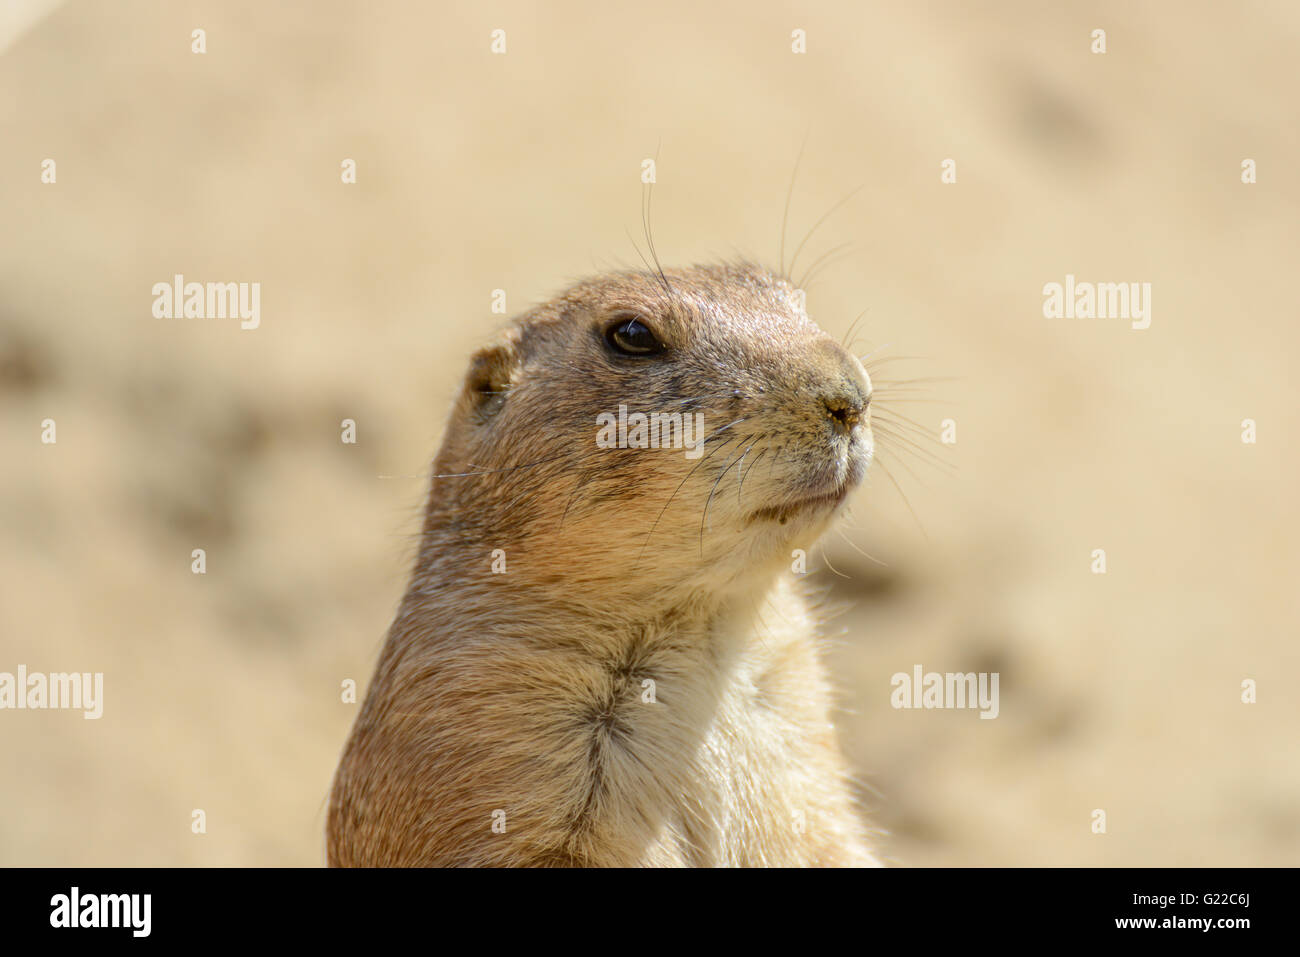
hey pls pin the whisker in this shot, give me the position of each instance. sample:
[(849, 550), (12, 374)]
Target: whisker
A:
[(487, 471), (853, 545), (879, 348), (894, 400), (789, 194), (819, 260), (697, 398), (904, 444), (924, 381), (821, 264), (902, 463), (826, 558), (899, 387), (734, 422), (889, 475), (582, 482), (853, 325), (894, 417), (884, 359), (646, 223), (795, 258), (704, 515), (670, 501), (637, 246), (740, 486)]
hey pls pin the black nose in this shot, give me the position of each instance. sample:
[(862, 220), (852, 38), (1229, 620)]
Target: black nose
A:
[(845, 408)]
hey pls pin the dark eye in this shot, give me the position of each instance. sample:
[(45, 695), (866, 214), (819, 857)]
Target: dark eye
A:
[(631, 337)]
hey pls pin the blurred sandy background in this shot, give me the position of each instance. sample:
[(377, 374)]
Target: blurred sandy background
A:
[(521, 172)]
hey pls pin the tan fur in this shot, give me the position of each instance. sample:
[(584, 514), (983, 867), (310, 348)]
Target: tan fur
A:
[(524, 692)]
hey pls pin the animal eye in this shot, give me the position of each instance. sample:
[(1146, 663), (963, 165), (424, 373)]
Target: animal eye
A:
[(631, 337)]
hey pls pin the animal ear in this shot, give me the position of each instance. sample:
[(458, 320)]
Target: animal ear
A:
[(492, 373)]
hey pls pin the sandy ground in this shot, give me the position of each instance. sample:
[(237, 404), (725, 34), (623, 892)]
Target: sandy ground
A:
[(475, 172)]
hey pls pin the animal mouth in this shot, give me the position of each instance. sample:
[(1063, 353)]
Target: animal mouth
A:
[(825, 502)]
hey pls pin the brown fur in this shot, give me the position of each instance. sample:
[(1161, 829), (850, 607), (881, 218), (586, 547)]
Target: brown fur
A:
[(523, 692)]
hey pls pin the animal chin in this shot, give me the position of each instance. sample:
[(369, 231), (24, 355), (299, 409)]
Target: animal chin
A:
[(808, 507)]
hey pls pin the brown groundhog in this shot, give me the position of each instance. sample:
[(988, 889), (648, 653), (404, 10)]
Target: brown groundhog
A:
[(603, 657)]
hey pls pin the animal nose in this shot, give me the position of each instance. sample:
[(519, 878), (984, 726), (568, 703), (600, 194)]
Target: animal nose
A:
[(845, 407), (844, 388)]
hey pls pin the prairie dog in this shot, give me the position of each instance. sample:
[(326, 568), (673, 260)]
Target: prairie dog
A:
[(603, 657)]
